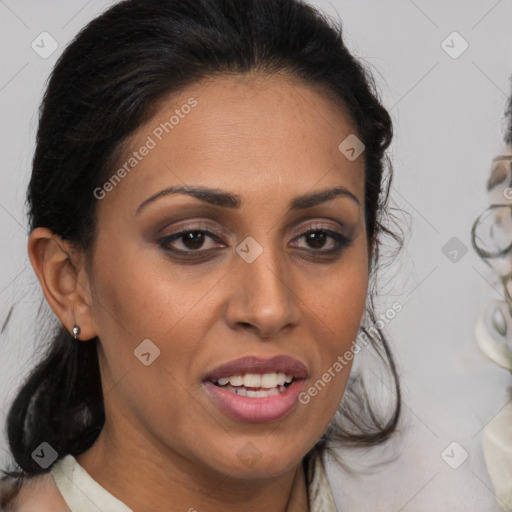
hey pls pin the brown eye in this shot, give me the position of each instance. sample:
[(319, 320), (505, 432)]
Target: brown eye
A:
[(317, 238), (201, 241), (191, 240)]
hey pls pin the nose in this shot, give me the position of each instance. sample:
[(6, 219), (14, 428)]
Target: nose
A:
[(262, 296)]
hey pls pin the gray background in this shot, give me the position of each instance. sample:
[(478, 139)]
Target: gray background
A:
[(449, 123)]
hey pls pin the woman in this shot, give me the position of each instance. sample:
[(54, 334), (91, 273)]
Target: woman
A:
[(206, 195)]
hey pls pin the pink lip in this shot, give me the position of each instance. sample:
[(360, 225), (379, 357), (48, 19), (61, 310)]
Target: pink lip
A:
[(256, 410), (252, 364), (262, 409)]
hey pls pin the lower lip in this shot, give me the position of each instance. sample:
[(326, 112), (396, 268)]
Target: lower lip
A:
[(256, 410)]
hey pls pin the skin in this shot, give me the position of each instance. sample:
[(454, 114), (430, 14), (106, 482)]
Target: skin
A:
[(268, 140)]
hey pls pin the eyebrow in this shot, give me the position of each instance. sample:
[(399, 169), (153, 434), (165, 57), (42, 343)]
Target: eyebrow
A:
[(227, 199)]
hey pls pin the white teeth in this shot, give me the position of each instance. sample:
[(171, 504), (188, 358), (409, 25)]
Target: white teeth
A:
[(252, 393), (236, 380), (252, 380), (255, 380), (269, 380), (281, 379)]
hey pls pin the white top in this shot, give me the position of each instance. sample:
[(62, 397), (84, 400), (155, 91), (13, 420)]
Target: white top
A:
[(80, 491), (83, 494)]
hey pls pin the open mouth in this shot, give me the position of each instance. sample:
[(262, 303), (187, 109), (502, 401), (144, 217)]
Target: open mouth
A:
[(255, 385), (256, 389)]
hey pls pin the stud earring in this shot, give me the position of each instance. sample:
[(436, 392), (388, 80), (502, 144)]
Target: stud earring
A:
[(76, 331)]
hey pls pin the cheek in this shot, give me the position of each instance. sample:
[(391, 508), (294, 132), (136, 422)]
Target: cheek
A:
[(142, 296), (338, 297), (139, 299), (333, 310), (146, 296)]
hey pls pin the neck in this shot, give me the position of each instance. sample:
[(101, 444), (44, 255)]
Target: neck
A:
[(148, 479)]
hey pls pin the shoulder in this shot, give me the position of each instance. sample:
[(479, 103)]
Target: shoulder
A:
[(37, 494)]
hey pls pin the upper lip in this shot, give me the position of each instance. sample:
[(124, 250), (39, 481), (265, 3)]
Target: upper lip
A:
[(253, 364)]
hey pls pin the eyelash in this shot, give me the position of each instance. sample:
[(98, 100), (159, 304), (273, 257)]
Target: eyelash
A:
[(341, 241)]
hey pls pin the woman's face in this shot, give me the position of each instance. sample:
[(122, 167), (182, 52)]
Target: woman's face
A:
[(245, 281)]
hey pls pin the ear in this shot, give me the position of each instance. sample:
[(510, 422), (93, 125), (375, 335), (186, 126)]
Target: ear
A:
[(62, 274)]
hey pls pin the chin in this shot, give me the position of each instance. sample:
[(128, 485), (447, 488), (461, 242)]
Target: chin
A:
[(250, 460)]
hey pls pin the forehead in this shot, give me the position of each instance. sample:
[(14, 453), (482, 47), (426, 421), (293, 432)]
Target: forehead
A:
[(249, 133)]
